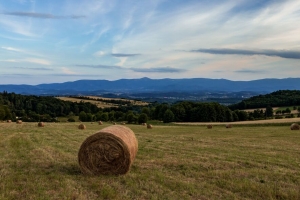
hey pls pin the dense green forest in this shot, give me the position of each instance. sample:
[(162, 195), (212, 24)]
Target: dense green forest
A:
[(42, 108), (276, 99)]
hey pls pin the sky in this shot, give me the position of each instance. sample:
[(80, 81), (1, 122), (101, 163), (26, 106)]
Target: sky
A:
[(54, 41)]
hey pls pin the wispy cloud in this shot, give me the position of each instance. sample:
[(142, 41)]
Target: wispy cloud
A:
[(247, 71), (158, 70), (37, 61), (67, 71), (267, 52), (99, 53), (34, 68), (124, 55), (42, 15), (101, 66)]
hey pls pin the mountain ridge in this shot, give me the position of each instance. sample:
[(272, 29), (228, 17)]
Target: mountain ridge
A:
[(156, 85)]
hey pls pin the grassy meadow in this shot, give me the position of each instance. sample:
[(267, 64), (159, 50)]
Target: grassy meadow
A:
[(173, 162)]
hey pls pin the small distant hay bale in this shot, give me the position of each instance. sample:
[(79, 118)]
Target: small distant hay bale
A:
[(8, 121), (81, 126), (112, 150), (114, 123), (295, 126), (19, 122), (209, 126), (143, 124), (41, 124), (228, 126), (100, 123), (149, 126), (123, 123)]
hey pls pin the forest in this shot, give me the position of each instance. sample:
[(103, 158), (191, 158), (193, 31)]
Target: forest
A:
[(45, 108)]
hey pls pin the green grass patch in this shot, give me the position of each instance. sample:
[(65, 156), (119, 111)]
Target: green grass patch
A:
[(173, 162)]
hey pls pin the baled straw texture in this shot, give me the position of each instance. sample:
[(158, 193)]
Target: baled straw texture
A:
[(295, 126), (8, 121), (41, 124), (209, 126), (81, 126), (149, 126), (110, 151), (19, 121), (100, 123)]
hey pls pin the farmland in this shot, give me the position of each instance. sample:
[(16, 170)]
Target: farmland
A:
[(173, 162)]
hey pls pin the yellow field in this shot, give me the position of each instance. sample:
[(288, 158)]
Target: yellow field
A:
[(101, 104)]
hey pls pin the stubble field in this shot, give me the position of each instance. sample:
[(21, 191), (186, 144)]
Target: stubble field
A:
[(173, 162)]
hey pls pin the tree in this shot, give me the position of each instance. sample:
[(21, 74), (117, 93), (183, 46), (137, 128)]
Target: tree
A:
[(143, 118), (269, 111), (82, 116), (89, 117), (130, 118), (104, 117), (146, 110), (168, 116)]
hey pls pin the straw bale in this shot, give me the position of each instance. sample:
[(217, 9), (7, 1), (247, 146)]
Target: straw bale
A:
[(81, 126), (149, 126), (112, 150), (295, 126), (228, 126), (41, 124)]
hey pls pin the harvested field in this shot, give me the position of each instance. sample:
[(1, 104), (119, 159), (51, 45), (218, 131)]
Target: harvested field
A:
[(172, 162)]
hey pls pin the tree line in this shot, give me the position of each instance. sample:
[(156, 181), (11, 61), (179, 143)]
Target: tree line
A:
[(43, 108)]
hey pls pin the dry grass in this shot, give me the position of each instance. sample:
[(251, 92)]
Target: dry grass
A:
[(101, 104), (173, 162), (268, 121)]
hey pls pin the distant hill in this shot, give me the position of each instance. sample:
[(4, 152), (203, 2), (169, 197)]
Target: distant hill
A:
[(275, 99), (146, 85)]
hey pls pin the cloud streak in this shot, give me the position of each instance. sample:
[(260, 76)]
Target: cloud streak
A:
[(267, 52), (42, 15), (101, 66), (124, 55), (158, 70)]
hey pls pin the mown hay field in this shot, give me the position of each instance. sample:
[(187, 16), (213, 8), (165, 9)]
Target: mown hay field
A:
[(172, 162)]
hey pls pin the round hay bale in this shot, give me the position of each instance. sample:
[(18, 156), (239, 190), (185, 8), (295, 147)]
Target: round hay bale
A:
[(81, 126), (123, 123), (19, 121), (100, 123), (114, 123), (112, 150), (8, 121), (295, 126), (41, 124), (149, 126), (228, 126), (143, 124), (209, 126)]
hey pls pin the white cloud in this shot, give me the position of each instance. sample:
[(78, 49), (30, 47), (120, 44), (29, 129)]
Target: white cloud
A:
[(99, 53), (66, 70)]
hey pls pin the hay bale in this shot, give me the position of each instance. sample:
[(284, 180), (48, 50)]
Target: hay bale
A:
[(112, 150), (295, 126), (149, 126), (41, 124), (209, 126), (19, 121), (143, 124), (100, 123), (123, 123), (114, 123), (8, 121), (81, 126), (228, 126)]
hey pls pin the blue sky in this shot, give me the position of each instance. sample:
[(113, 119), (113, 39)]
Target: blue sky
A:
[(47, 41)]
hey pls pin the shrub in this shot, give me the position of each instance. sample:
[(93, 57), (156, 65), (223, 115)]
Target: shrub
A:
[(71, 119)]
